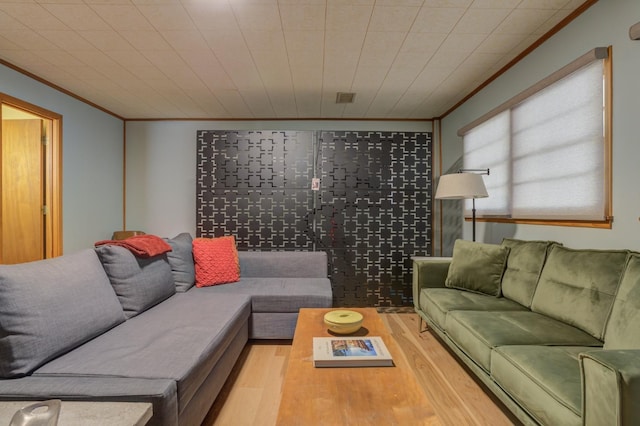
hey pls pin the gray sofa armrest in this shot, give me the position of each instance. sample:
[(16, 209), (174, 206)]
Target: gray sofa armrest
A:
[(283, 264), (610, 387), (161, 393), (428, 272)]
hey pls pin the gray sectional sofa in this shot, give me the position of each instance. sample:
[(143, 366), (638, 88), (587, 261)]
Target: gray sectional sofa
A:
[(102, 324), (553, 332)]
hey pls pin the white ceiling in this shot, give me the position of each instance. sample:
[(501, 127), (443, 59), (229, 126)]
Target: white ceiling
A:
[(271, 58)]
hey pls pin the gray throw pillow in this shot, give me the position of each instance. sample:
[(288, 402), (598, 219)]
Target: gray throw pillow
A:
[(139, 283), (51, 306), (181, 260), (477, 267)]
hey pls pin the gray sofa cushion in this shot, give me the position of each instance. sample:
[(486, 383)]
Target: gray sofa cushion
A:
[(49, 307), (283, 264), (203, 325), (272, 325), (181, 261), (139, 283), (278, 294)]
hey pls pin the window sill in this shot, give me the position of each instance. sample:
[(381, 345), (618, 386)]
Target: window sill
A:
[(601, 224)]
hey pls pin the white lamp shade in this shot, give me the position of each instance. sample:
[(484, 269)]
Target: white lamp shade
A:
[(460, 186)]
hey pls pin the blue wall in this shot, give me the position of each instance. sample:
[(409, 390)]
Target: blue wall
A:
[(161, 165), (606, 23), (91, 161)]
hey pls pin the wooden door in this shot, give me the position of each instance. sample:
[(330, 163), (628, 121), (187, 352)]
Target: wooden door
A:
[(22, 230)]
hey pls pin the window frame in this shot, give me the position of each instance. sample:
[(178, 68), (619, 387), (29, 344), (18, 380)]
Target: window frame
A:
[(599, 53)]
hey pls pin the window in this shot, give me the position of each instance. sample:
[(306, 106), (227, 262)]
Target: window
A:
[(549, 149)]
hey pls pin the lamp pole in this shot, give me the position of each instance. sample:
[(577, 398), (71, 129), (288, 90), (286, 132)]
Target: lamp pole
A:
[(473, 217), (473, 199)]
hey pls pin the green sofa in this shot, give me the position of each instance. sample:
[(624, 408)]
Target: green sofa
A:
[(553, 332)]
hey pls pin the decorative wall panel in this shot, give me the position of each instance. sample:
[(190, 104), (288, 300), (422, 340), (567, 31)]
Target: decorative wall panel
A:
[(371, 213), (255, 186), (374, 212)]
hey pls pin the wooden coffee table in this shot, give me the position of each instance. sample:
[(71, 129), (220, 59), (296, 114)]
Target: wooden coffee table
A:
[(347, 396)]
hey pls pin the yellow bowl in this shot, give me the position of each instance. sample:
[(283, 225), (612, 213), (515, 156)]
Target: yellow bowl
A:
[(342, 321)]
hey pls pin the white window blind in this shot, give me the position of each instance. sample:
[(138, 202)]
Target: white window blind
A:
[(487, 147), (546, 149), (558, 149)]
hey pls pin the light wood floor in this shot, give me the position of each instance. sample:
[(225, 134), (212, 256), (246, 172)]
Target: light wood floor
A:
[(252, 393)]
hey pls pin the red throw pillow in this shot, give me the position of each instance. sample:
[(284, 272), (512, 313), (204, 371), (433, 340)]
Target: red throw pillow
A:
[(216, 261)]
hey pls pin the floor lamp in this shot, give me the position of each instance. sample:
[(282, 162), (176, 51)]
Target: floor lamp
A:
[(463, 185)]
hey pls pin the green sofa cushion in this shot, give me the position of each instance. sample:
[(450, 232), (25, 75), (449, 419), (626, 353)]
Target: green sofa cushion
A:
[(477, 333), (578, 286), (623, 327), (477, 267), (437, 302), (524, 264), (545, 380)]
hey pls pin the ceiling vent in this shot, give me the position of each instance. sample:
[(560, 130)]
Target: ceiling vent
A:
[(345, 97)]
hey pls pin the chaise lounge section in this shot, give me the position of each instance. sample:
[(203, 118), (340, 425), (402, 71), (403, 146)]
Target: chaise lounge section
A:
[(104, 325)]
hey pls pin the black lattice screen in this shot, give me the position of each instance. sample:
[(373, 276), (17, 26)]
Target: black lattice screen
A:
[(371, 214)]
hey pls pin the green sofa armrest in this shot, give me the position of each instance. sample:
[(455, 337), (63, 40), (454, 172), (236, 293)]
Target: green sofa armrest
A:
[(610, 387), (429, 272)]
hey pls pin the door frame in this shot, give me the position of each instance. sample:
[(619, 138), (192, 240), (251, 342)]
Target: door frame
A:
[(53, 172)]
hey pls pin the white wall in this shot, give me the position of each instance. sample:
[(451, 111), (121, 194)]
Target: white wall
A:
[(91, 161), (161, 165), (606, 23)]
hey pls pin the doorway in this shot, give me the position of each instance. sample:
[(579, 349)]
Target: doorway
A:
[(30, 182)]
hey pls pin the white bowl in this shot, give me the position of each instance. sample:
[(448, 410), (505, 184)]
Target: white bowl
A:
[(342, 321)]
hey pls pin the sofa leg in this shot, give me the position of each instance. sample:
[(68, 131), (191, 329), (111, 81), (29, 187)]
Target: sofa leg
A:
[(426, 326)]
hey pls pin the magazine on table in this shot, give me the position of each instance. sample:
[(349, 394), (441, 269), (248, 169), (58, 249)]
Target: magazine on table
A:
[(350, 352)]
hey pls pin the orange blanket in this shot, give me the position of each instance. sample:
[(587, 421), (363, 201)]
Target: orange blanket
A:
[(140, 245)]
